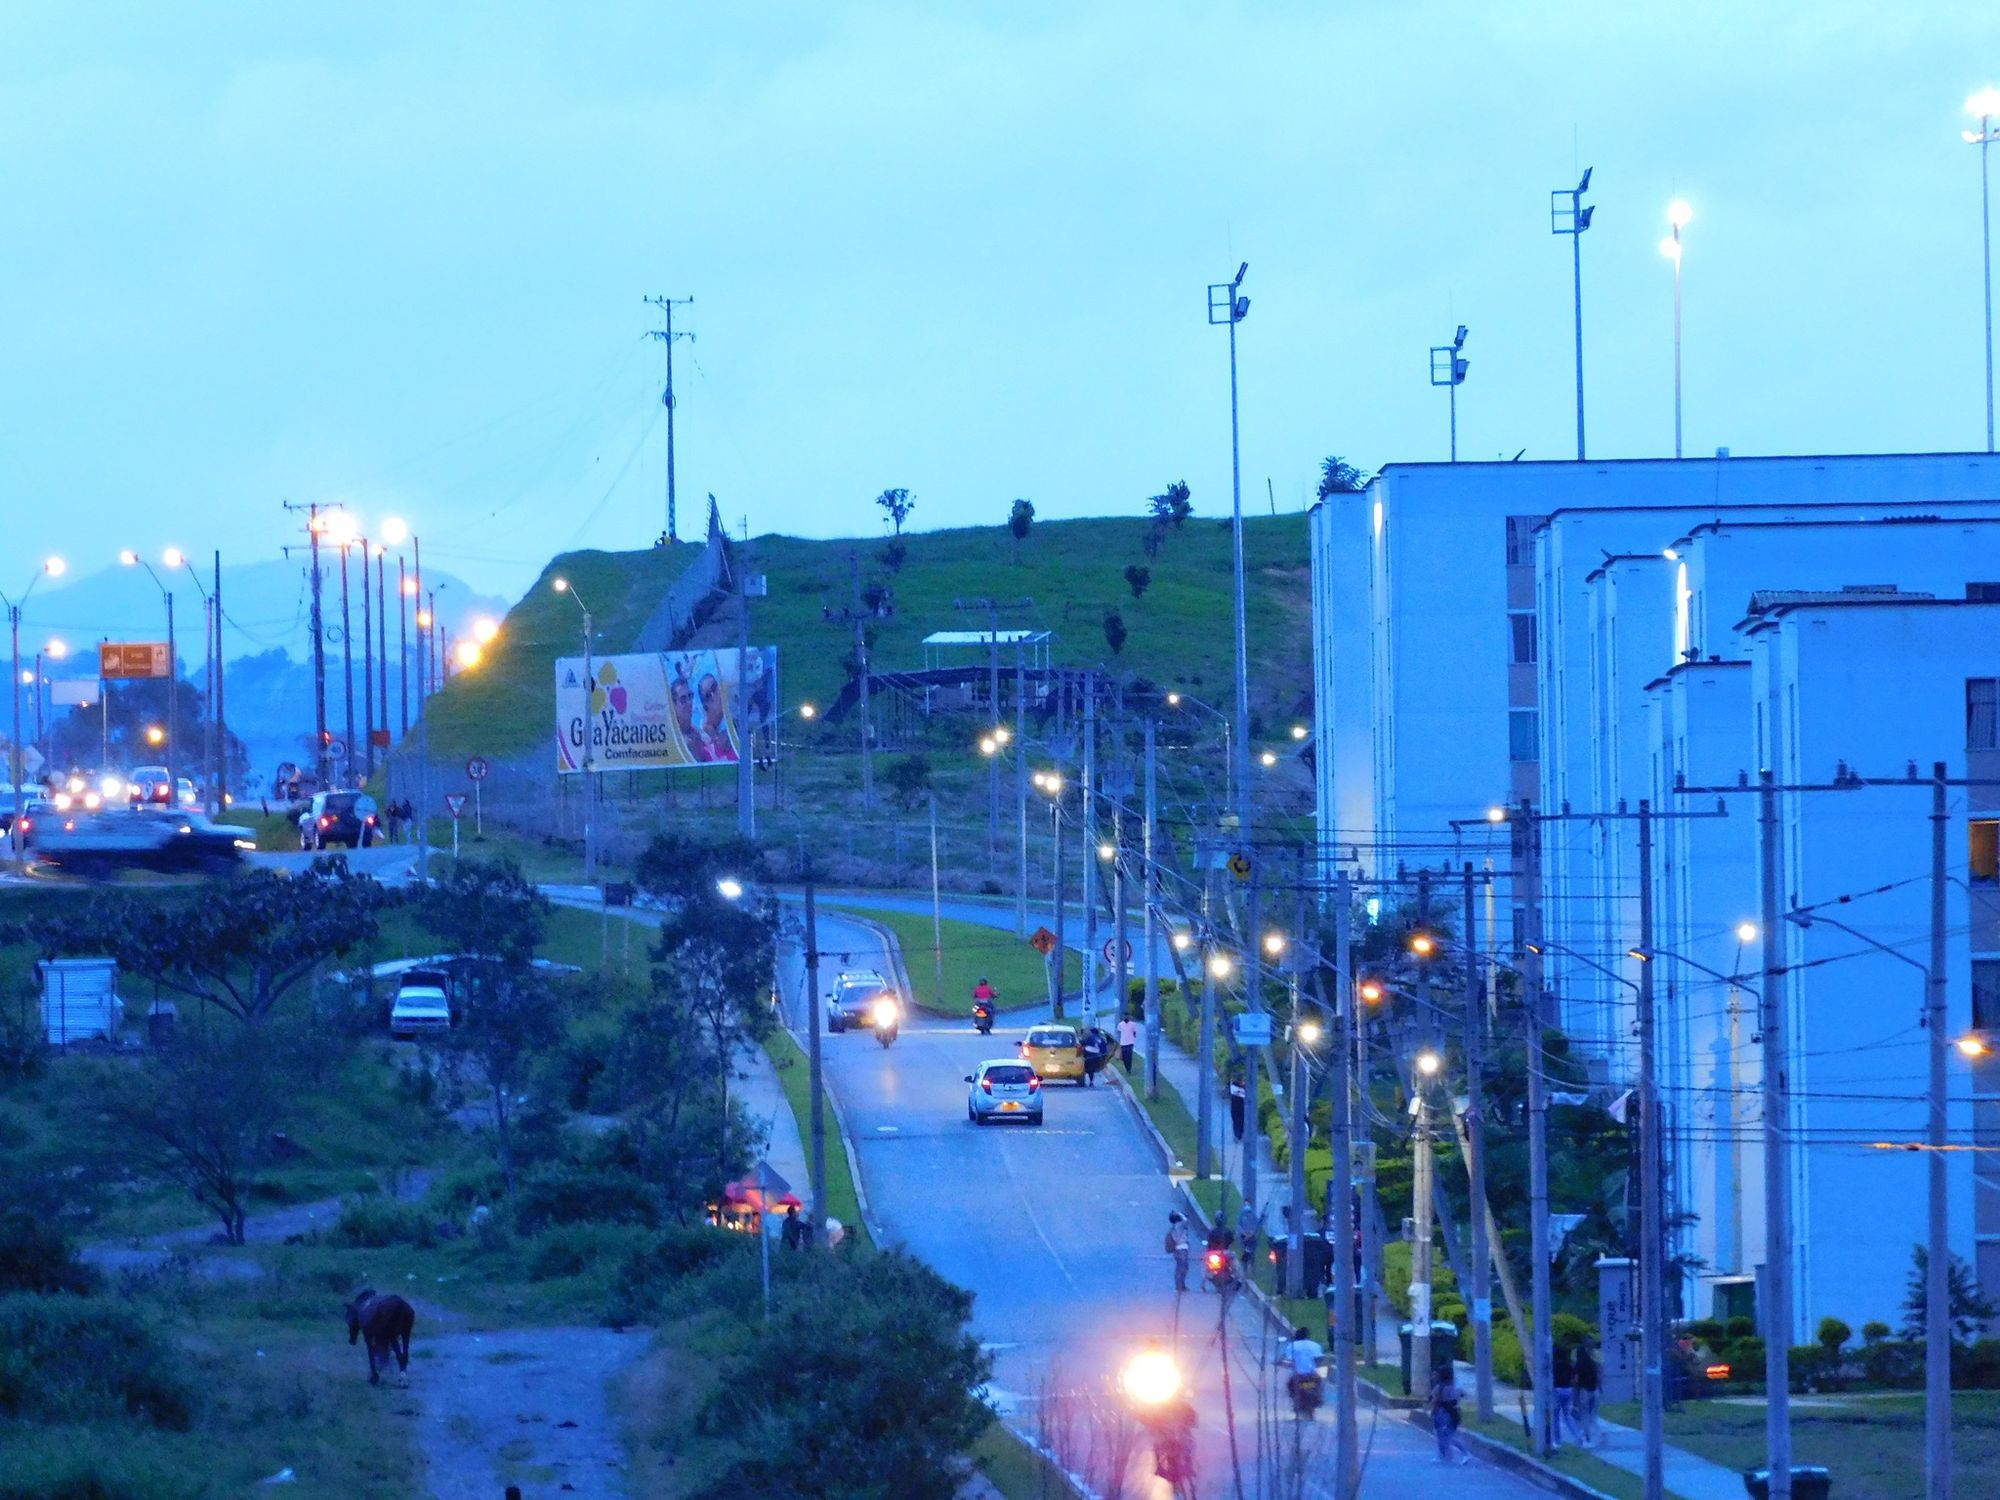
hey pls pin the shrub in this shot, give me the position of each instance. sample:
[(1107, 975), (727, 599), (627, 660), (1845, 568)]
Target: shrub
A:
[(74, 1359), (456, 1193), (1892, 1362), (1707, 1331), (35, 1256), (664, 1263), (575, 1195), (1980, 1368), (1740, 1328), (1832, 1335), (1875, 1332), (374, 1223)]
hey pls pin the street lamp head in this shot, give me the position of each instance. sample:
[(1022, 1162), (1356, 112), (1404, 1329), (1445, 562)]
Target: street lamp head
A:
[(1670, 247), (988, 745), (173, 557), (469, 654), (1002, 734), (1173, 700), (1274, 943), (155, 735), (1423, 945), (57, 649), (1679, 213), (1371, 990), (1496, 814), (1746, 932), (730, 888), (1307, 1032), (55, 567), (1428, 1064), (807, 711), (1220, 965), (560, 585), (1268, 759), (1182, 942), (1106, 851), (127, 557), (1298, 731), (1639, 953), (395, 531), (1972, 1044), (424, 618), (409, 588), (484, 630), (1984, 103)]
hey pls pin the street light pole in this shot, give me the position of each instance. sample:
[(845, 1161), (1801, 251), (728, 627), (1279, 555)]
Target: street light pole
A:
[(1777, 1311), (1937, 1267), (1986, 104), (1475, 1158), (1678, 215), (1651, 1231), (1573, 219), (1448, 369)]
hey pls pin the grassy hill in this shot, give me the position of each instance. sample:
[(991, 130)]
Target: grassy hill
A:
[(1180, 632)]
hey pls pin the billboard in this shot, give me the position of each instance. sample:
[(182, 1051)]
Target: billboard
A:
[(132, 659), (666, 709)]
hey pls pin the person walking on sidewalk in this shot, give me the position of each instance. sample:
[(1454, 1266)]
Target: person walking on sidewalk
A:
[(1128, 1038), (1583, 1410), (1446, 1419), (1180, 1247), (1563, 1379), (1237, 1098)]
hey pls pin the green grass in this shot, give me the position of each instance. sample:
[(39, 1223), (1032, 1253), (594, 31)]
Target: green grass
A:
[(1179, 631), (1586, 1467), (842, 1202), (1872, 1444), (971, 951), (1016, 1470)]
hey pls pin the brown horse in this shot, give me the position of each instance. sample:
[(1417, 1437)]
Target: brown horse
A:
[(387, 1321)]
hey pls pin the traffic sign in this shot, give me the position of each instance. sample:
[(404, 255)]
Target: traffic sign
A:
[(1253, 1028), (455, 803), (1111, 950), (336, 749), (476, 768), (1239, 865), (1043, 941), (133, 659)]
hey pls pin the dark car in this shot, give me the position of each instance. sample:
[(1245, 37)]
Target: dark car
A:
[(98, 844), (852, 1003), (349, 818)]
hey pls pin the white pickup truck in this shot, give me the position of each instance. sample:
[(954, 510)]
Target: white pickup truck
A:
[(422, 1007)]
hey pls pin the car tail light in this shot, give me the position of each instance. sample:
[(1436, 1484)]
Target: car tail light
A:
[(1034, 1085), (326, 822), (369, 820), (985, 1085)]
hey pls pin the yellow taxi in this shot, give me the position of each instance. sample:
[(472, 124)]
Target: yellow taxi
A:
[(1054, 1050)]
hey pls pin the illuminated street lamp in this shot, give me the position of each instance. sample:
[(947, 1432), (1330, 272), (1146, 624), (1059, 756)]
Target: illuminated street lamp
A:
[(1372, 991), (484, 630), (1973, 1045), (563, 586), (1496, 814), (730, 887), (1423, 945), (807, 711), (1220, 965), (989, 745), (1182, 942), (1746, 932), (155, 735), (469, 654), (1299, 731), (1428, 1063), (1308, 1032), (1274, 943), (1268, 759)]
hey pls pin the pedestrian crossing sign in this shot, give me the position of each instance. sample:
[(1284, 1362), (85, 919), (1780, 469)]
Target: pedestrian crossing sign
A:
[(1043, 941)]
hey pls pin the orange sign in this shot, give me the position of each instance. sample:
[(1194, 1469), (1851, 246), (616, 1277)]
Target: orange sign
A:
[(132, 659), (1043, 941)]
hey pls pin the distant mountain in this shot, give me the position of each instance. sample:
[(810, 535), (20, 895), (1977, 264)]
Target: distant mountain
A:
[(266, 639)]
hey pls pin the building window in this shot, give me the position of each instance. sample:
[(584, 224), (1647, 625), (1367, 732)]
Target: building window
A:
[(1983, 852), (1521, 540), (1523, 728), (1980, 729), (1524, 637), (1986, 994)]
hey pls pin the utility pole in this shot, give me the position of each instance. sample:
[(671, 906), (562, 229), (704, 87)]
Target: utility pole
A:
[(861, 667), (1253, 1056), (381, 642), (817, 1110), (1150, 932), (1204, 1107), (1937, 1267), (423, 808), (746, 750), (1021, 790), (1652, 1233), (221, 723), (367, 675), (1059, 954), (667, 336), (1777, 1156), (320, 768), (937, 917), (1089, 1000), (1371, 1249), (1295, 1242), (1423, 1170), (1340, 1195), (347, 649), (1475, 1161), (403, 646), (1541, 1359)]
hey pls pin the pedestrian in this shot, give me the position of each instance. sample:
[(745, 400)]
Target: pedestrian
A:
[(793, 1234), (1446, 1419), (1247, 1227), (1179, 1247), (1128, 1038), (1589, 1380), (1237, 1099), (1563, 1380), (1096, 1052)]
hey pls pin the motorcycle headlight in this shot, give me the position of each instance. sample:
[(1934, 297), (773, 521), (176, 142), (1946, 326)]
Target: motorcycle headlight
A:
[(884, 1012)]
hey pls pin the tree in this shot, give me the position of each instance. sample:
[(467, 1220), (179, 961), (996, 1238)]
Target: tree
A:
[(685, 873), (1137, 579), (486, 909), (241, 945), (1172, 506), (897, 504), (677, 1134), (199, 1111), (515, 1016), (1019, 520), (1114, 631), (1968, 1310), (860, 1383), (1338, 476), (909, 780)]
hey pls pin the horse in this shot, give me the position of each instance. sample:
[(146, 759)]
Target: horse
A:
[(387, 1320)]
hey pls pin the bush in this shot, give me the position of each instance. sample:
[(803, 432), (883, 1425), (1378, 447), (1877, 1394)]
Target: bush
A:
[(572, 1249), (35, 1256), (1893, 1363), (1833, 1334), (1740, 1328), (571, 1194), (73, 1359), (663, 1263), (1980, 1368), (1875, 1332), (455, 1194), (375, 1223)]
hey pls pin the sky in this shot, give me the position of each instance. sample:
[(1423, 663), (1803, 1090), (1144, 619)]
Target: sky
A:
[(395, 257)]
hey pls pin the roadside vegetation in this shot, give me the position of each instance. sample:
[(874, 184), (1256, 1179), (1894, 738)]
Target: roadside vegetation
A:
[(972, 951)]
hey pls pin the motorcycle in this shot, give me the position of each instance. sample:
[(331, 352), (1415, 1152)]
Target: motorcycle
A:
[(1220, 1271), (885, 1017), (982, 1017), (1307, 1393)]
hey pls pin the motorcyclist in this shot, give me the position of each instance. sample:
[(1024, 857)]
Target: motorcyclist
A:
[(983, 996), (1303, 1353), (984, 991)]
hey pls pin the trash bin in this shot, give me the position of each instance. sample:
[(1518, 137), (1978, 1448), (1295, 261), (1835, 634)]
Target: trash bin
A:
[(1444, 1349), (1809, 1482)]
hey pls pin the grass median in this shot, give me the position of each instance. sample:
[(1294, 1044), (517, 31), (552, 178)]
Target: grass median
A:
[(972, 951), (793, 1068)]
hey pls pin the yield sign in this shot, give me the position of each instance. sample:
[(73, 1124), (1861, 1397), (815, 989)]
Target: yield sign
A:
[(455, 802)]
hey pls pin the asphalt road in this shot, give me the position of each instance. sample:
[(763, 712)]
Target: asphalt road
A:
[(1058, 1232)]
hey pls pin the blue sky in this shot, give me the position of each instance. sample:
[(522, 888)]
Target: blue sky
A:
[(396, 255)]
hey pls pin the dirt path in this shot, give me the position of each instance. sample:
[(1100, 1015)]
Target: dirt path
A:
[(526, 1406)]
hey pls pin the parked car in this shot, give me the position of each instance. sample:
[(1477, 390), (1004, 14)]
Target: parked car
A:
[(349, 818), (166, 842), (1003, 1089), (852, 1001), (422, 1008), (1054, 1051)]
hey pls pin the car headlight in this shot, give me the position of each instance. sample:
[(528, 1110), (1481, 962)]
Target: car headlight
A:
[(247, 844), (884, 1012)]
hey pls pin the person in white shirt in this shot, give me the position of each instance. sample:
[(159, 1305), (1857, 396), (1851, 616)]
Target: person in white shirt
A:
[(1128, 1038)]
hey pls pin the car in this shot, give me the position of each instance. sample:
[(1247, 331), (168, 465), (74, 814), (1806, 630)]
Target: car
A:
[(852, 1002), (161, 840), (33, 810), (147, 787), (422, 1008), (1054, 1050), (1003, 1088), (348, 818)]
